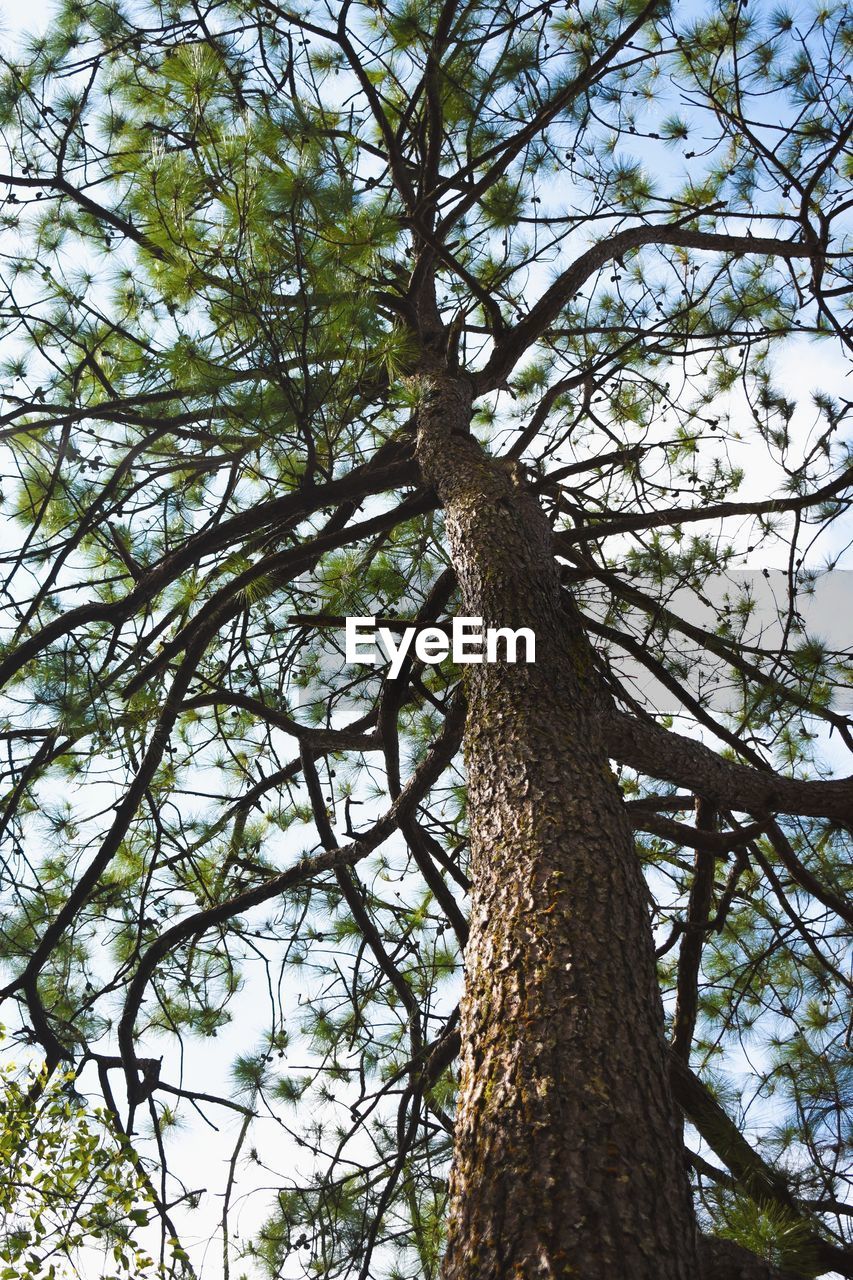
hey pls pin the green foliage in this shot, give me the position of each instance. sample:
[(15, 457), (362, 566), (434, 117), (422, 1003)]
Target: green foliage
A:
[(72, 1186)]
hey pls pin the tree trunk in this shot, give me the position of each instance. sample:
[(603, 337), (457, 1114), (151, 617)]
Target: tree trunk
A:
[(567, 1160)]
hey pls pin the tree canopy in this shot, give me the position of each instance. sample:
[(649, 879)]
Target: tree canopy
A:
[(240, 244)]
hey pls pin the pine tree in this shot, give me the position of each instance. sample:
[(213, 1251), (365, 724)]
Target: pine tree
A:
[(421, 311)]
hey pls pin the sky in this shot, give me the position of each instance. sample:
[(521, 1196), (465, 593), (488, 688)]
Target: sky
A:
[(18, 16)]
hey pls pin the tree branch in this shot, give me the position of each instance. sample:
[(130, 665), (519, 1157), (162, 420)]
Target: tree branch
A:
[(660, 753), (199, 922), (725, 1260), (509, 349)]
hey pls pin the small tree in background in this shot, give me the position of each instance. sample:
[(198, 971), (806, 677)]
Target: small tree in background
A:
[(71, 1186), (413, 311)]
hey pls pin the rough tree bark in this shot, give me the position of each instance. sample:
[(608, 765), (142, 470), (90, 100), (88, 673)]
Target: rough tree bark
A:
[(568, 1161)]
